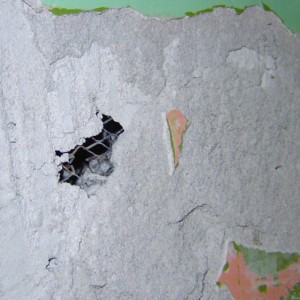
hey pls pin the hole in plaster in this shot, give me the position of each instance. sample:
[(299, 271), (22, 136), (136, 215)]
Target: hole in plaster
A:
[(52, 263), (90, 163)]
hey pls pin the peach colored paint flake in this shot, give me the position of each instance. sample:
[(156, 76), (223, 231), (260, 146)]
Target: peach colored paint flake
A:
[(178, 125), (245, 284)]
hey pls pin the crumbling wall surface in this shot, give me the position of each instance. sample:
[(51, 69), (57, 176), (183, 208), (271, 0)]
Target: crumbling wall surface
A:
[(148, 232)]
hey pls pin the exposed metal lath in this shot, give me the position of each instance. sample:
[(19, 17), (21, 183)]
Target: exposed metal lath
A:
[(92, 158)]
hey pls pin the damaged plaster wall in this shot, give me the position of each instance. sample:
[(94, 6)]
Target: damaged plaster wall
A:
[(144, 234)]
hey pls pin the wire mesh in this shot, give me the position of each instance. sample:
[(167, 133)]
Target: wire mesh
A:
[(93, 156)]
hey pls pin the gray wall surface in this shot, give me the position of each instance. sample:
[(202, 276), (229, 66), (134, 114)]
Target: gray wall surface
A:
[(148, 232)]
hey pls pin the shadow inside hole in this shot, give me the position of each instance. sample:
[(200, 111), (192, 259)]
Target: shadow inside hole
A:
[(91, 160)]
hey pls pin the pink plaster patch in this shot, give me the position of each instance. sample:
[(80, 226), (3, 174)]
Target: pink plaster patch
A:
[(178, 125), (244, 284)]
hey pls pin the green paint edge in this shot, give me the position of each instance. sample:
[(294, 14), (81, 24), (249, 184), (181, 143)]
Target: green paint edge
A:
[(172, 144), (287, 10), (219, 284), (226, 267), (65, 11), (208, 10)]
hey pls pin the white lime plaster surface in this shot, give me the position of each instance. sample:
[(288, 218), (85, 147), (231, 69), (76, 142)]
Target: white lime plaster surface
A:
[(145, 234)]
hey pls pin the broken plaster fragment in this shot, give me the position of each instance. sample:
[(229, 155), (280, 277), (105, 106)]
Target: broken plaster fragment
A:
[(178, 125), (251, 273)]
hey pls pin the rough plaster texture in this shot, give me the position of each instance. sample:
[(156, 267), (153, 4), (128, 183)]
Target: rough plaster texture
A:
[(145, 234)]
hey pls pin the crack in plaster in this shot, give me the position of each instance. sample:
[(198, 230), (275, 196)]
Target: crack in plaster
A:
[(198, 207), (203, 283), (38, 9)]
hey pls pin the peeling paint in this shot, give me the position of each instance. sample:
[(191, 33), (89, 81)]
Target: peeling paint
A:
[(178, 125), (255, 274)]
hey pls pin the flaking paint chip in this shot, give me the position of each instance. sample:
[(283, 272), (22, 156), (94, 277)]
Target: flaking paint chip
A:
[(178, 124)]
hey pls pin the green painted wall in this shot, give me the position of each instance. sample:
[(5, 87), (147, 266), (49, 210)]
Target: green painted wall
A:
[(287, 10)]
